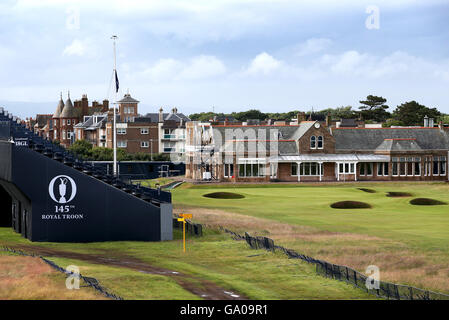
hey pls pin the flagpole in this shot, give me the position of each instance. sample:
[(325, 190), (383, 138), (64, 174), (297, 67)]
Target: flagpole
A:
[(114, 38)]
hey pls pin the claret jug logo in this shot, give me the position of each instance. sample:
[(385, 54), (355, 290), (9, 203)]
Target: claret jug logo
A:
[(62, 189)]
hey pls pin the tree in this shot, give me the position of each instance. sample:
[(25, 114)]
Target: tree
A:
[(412, 113), (374, 108), (82, 148)]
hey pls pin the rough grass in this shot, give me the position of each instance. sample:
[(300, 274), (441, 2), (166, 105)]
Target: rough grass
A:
[(350, 205), (27, 278), (395, 194), (426, 202), (407, 242), (224, 195), (215, 257)]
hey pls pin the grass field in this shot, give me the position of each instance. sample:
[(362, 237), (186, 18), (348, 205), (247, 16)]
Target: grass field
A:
[(215, 266), (409, 243), (31, 278)]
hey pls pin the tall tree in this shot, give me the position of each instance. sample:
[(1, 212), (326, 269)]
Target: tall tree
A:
[(374, 108), (412, 113)]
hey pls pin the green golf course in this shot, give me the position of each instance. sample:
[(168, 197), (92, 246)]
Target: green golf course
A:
[(409, 242)]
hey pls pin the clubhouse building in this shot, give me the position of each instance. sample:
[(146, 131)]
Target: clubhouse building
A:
[(307, 151)]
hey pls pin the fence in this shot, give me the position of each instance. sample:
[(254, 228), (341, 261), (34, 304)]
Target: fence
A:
[(343, 273), (191, 228), (90, 282)]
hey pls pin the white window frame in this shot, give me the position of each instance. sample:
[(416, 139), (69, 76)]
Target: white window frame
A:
[(314, 140), (318, 142), (121, 131), (144, 131), (144, 144), (227, 170), (122, 143)]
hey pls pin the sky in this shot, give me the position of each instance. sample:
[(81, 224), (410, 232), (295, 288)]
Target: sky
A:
[(224, 55)]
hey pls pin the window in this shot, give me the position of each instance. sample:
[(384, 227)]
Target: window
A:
[(144, 131), (402, 166), (144, 144), (121, 143), (417, 169), (382, 168), (395, 166), (366, 169), (79, 134), (435, 166), (68, 122), (63, 134), (320, 142), (443, 166), (312, 142), (121, 130), (56, 123), (439, 165), (228, 170), (294, 169), (346, 168), (63, 122), (252, 169), (307, 169)]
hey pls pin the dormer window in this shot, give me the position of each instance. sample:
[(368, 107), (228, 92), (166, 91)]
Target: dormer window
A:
[(312, 142), (320, 142)]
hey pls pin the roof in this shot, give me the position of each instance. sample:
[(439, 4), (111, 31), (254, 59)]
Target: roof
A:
[(348, 123), (332, 158), (128, 99), (399, 145), (373, 138), (89, 124), (260, 147), (154, 117), (41, 119), (69, 111), (59, 108)]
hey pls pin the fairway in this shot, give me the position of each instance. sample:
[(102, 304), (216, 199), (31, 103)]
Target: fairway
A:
[(408, 242)]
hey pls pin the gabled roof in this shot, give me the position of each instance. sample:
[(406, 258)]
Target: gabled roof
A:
[(371, 139)]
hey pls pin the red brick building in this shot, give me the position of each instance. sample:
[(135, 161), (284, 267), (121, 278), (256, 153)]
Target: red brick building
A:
[(310, 151)]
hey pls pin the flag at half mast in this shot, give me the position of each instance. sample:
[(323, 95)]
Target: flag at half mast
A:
[(116, 82)]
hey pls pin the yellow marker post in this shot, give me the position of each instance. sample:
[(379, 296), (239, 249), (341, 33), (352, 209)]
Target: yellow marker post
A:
[(183, 220)]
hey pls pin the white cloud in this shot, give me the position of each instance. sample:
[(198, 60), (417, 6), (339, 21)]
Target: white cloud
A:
[(263, 63), (313, 45), (198, 67), (76, 48), (203, 67)]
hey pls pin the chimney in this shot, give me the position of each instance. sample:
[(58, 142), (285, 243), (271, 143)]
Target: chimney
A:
[(161, 115), (328, 120), (301, 117), (105, 105), (426, 121), (85, 105)]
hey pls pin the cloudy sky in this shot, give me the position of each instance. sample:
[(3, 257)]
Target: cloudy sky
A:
[(225, 55)]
